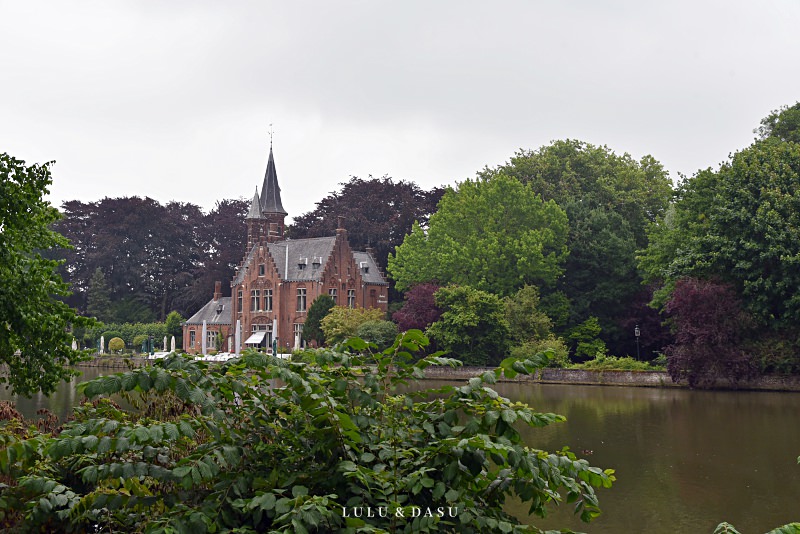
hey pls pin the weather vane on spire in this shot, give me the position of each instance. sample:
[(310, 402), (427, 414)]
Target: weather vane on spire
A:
[(270, 136)]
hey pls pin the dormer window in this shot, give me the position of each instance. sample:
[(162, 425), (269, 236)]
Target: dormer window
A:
[(301, 263), (364, 266), (316, 262)]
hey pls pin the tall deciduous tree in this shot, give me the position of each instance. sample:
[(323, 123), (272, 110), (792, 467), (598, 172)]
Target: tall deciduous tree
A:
[(609, 199), (492, 234), (741, 225), (35, 342), (98, 298), (378, 213)]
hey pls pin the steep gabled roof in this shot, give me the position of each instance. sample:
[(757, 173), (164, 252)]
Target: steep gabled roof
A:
[(270, 191), (255, 207), (208, 313), (289, 254)]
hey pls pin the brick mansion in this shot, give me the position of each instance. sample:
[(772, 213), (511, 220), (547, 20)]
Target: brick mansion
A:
[(279, 278)]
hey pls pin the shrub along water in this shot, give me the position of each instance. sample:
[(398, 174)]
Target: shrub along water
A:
[(337, 448)]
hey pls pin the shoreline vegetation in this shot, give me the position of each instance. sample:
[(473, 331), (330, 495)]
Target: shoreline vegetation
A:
[(548, 375)]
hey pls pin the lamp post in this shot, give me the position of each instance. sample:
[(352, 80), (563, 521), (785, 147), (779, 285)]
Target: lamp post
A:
[(637, 333)]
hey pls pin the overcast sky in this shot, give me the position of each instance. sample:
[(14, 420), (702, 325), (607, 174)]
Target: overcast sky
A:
[(173, 99)]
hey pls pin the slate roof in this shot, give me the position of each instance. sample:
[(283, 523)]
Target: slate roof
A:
[(255, 207), (372, 275), (208, 313), (301, 250), (271, 191), (305, 251)]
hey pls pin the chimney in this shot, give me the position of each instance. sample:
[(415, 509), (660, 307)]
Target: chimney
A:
[(217, 290), (340, 225)]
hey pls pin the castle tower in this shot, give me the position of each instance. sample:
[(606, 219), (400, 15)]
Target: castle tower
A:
[(272, 211), (255, 223)]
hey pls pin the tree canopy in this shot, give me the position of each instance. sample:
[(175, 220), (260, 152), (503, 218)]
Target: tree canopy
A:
[(472, 326), (492, 234), (782, 124), (741, 225), (378, 213), (154, 258), (35, 338), (609, 200)]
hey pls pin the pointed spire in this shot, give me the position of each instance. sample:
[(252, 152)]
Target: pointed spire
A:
[(270, 191), (255, 207)]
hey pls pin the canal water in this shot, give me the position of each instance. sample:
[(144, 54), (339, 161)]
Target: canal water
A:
[(685, 460)]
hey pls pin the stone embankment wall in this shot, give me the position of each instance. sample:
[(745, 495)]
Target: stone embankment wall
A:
[(657, 379)]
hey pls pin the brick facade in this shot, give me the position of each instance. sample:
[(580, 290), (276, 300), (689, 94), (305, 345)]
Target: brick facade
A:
[(279, 278)]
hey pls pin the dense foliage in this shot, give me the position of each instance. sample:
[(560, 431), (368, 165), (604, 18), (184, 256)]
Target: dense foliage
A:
[(741, 225), (221, 448), (609, 200), (32, 319), (378, 213), (472, 326), (710, 328), (494, 235), (342, 322), (312, 328), (419, 308), (135, 260)]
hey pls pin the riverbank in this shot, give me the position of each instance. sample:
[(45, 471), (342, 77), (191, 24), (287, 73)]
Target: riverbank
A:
[(652, 379), (587, 377)]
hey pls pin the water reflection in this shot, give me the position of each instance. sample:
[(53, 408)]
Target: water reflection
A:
[(61, 401), (685, 460)]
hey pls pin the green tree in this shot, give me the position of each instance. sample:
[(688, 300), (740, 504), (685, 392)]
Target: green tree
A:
[(98, 298), (35, 337), (341, 322), (492, 234), (214, 447), (782, 124), (609, 200), (312, 328), (473, 325), (574, 171), (740, 225), (382, 333), (116, 344), (174, 327), (526, 322)]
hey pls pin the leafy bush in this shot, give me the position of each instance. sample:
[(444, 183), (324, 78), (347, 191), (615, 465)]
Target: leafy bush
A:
[(419, 308), (559, 354), (110, 334), (220, 447), (116, 344), (472, 326), (709, 325), (382, 333), (614, 363), (341, 322)]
